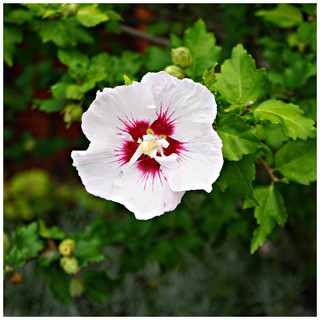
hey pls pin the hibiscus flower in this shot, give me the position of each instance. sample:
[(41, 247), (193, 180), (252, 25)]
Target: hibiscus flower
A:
[(149, 143)]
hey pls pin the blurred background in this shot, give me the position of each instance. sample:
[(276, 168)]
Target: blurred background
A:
[(194, 261)]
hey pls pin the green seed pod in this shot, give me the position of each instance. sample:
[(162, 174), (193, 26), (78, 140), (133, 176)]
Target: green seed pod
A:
[(181, 57), (70, 265), (66, 247), (175, 71)]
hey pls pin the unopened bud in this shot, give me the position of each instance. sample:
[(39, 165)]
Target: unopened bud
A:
[(175, 71), (66, 247), (76, 287), (181, 57), (69, 9), (70, 265)]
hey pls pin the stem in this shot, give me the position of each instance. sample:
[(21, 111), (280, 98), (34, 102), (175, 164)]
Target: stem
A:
[(248, 109), (142, 35), (268, 169)]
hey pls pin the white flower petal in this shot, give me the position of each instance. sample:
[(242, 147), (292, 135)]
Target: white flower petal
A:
[(159, 83), (200, 166), (190, 106), (146, 197), (114, 106), (97, 166), (169, 161)]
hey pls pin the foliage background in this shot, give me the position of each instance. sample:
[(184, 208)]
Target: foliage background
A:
[(195, 260)]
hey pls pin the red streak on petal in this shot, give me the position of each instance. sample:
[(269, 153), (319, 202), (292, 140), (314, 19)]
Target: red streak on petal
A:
[(164, 124), (126, 151), (135, 128), (149, 167), (174, 147)]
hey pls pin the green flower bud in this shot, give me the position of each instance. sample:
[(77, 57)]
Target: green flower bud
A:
[(69, 9), (175, 71), (70, 265), (181, 57), (76, 287), (66, 247), (6, 243)]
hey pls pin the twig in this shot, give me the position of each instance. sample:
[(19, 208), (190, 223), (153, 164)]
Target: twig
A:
[(145, 36), (248, 109), (268, 169)]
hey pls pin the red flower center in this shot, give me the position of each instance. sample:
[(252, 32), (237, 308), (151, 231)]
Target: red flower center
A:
[(164, 125)]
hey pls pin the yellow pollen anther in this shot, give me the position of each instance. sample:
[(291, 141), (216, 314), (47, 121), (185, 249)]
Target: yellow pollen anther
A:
[(148, 147)]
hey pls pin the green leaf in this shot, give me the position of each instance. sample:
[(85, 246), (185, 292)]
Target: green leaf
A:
[(11, 36), (283, 16), (53, 233), (238, 176), (88, 250), (307, 31), (57, 32), (43, 10), (288, 115), (76, 287), (48, 105), (239, 81), (209, 78), (59, 285), (96, 73), (129, 63), (237, 137), (270, 211), (63, 32), (47, 258), (77, 62), (90, 15), (59, 89), (77, 91), (202, 45), (157, 58), (127, 80), (272, 134), (18, 16), (297, 161), (298, 73), (97, 286), (25, 244)]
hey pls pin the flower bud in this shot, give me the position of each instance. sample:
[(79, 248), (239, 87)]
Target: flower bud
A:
[(69, 9), (66, 247), (6, 243), (175, 71), (76, 287), (181, 57), (70, 265)]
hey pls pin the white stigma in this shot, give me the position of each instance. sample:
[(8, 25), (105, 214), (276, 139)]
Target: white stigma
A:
[(150, 145)]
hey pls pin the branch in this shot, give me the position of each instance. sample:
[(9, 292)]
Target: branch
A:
[(248, 109), (268, 169), (145, 36)]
